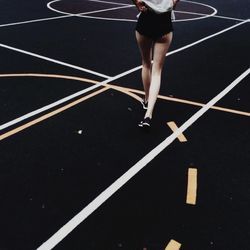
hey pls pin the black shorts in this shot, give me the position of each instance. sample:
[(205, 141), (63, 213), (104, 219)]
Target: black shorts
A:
[(154, 25)]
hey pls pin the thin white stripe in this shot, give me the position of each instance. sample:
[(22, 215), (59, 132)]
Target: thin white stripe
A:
[(36, 20), (10, 123), (229, 18), (108, 2), (104, 10), (110, 19), (113, 188), (101, 18), (186, 12), (208, 37), (89, 12), (53, 60), (181, 20)]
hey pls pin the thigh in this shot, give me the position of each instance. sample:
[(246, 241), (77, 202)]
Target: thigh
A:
[(145, 46), (161, 47)]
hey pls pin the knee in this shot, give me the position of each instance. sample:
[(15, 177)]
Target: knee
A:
[(157, 69), (146, 64)]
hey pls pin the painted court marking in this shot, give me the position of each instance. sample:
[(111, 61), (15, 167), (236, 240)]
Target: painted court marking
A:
[(35, 20), (113, 188), (61, 109), (173, 245), (174, 127), (123, 90), (110, 79), (198, 104), (192, 186), (73, 15), (53, 60), (89, 12), (50, 114), (86, 15)]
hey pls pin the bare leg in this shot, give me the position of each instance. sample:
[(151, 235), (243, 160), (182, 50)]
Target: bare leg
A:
[(161, 47), (145, 46)]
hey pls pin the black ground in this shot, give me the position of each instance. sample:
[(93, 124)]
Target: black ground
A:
[(49, 171)]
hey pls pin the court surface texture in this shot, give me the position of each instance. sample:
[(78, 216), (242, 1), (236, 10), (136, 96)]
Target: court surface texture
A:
[(76, 171)]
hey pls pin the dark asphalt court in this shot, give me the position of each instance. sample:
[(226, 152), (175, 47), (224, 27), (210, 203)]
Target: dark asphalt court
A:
[(51, 169)]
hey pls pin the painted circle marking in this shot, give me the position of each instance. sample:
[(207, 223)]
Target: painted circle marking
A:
[(87, 14)]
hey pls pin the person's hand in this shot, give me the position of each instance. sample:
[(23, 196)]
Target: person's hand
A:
[(175, 2), (141, 5)]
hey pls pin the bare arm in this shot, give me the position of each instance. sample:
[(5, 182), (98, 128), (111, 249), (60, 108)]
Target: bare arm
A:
[(175, 2), (140, 5)]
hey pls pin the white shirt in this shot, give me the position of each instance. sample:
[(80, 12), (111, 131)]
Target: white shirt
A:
[(159, 6)]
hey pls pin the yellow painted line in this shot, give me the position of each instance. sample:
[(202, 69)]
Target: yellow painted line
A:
[(192, 186), (174, 127), (75, 78), (128, 90), (46, 116), (173, 245), (172, 99)]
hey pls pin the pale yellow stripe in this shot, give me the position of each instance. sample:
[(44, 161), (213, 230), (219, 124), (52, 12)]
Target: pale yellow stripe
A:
[(192, 186), (172, 99), (29, 124), (75, 78), (173, 245), (46, 116), (174, 127), (118, 88), (127, 90)]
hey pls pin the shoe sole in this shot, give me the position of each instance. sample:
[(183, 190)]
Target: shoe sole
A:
[(143, 105), (145, 125)]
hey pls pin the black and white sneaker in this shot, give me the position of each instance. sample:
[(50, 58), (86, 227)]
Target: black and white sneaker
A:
[(144, 104), (145, 123)]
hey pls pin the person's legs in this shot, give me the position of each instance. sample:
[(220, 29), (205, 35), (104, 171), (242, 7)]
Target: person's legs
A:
[(161, 47), (145, 46)]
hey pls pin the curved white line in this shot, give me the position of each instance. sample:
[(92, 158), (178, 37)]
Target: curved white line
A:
[(55, 10), (198, 18), (89, 12), (202, 16)]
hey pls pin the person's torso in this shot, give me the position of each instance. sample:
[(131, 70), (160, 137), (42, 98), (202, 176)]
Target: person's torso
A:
[(159, 6)]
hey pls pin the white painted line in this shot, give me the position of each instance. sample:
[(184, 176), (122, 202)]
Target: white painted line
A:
[(108, 2), (101, 18), (125, 6), (104, 10), (113, 188), (172, 125), (52, 105), (176, 20), (202, 17), (10, 123), (186, 12), (58, 11), (86, 13), (229, 18), (53, 60), (208, 37), (110, 19), (36, 20)]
